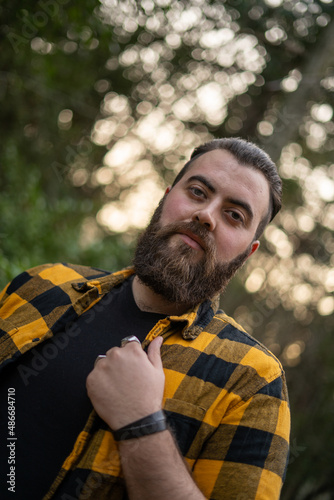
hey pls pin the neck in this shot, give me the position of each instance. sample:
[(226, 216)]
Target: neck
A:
[(149, 301)]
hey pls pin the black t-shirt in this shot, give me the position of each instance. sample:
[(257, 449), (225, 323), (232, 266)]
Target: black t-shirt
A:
[(51, 400)]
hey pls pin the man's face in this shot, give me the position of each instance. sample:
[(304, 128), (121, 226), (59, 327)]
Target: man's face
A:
[(204, 229)]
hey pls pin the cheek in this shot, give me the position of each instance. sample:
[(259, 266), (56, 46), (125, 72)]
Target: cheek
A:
[(174, 210), (223, 247), (228, 245)]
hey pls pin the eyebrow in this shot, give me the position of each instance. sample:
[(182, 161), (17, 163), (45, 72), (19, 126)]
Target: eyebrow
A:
[(204, 181), (243, 204)]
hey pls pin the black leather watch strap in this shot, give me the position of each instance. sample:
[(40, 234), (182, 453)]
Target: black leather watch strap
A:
[(156, 422)]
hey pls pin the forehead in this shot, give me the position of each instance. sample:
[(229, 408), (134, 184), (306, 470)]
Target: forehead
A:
[(231, 179)]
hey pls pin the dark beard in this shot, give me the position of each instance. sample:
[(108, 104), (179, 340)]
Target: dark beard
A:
[(172, 272)]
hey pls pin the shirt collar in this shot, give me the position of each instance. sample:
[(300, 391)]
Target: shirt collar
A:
[(194, 320)]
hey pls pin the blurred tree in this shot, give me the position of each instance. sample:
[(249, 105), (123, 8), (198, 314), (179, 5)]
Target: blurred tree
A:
[(49, 105), (102, 102)]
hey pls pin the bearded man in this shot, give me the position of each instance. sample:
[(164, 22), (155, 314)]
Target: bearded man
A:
[(190, 406)]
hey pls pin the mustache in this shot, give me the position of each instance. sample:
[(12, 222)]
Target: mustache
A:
[(192, 227)]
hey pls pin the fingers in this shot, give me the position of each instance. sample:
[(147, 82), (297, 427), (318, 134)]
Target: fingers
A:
[(153, 352)]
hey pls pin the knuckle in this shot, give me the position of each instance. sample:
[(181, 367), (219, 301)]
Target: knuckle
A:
[(110, 351)]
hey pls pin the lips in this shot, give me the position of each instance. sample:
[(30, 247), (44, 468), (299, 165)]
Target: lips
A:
[(191, 233), (192, 240)]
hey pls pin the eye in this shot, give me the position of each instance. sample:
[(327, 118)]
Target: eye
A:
[(236, 216), (196, 191)]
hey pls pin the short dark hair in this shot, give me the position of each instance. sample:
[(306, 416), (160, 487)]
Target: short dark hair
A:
[(250, 155)]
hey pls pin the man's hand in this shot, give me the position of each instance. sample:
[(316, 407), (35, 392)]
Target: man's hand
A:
[(128, 384), (124, 387)]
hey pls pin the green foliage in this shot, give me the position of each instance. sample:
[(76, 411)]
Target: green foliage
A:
[(41, 212), (39, 226)]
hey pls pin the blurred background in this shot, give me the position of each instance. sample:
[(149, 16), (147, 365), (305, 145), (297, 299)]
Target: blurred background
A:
[(102, 103)]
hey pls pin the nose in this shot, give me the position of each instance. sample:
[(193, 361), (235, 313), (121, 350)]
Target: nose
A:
[(205, 217)]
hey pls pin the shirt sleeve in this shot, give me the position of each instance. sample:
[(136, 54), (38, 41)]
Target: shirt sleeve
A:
[(246, 457)]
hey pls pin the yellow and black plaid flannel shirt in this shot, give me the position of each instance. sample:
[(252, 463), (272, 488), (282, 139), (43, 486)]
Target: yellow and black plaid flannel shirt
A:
[(225, 394)]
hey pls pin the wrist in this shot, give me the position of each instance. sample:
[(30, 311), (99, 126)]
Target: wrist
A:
[(151, 424)]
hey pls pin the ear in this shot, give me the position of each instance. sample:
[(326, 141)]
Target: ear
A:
[(255, 246), (168, 189)]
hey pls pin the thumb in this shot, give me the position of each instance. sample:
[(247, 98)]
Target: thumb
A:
[(153, 352)]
